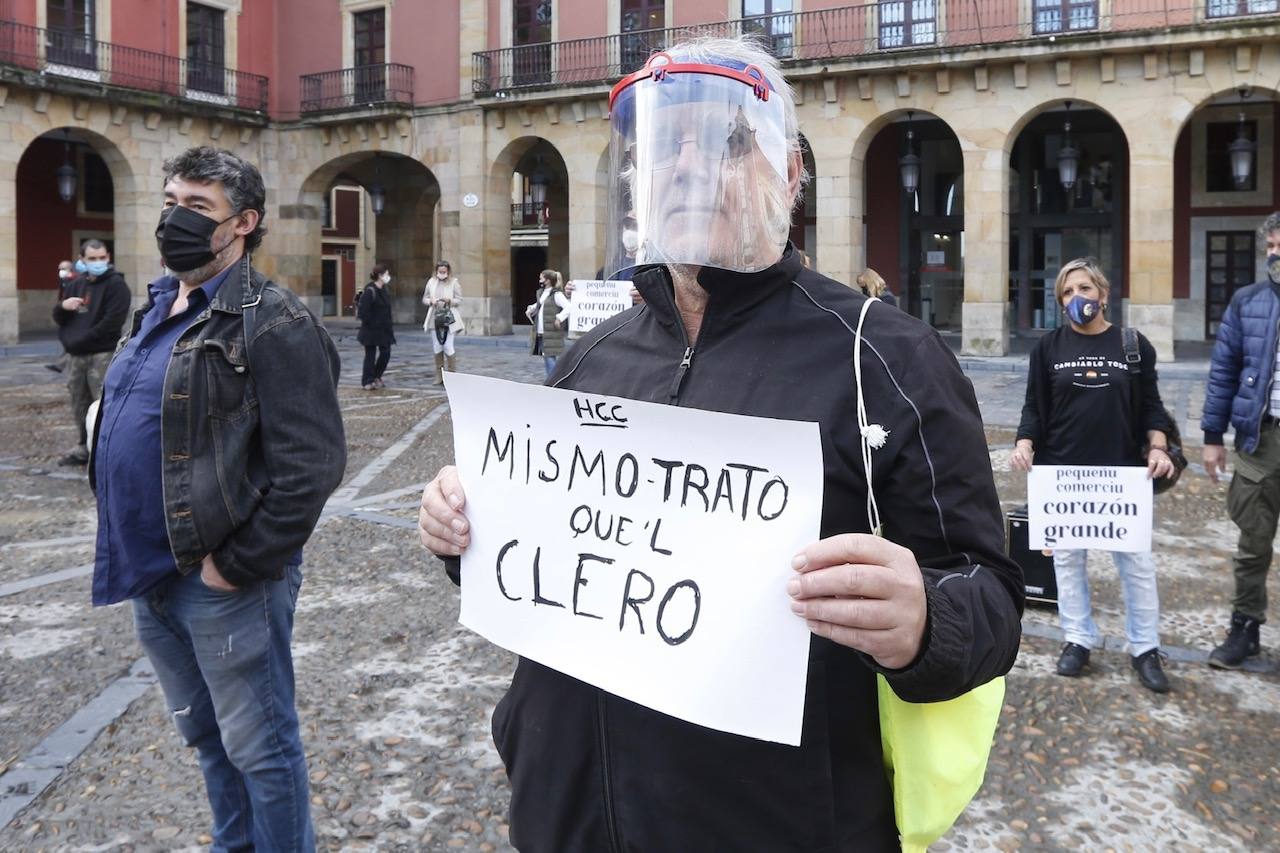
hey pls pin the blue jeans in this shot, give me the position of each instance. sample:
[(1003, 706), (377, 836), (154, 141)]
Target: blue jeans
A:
[(1141, 599), (224, 662), (549, 362)]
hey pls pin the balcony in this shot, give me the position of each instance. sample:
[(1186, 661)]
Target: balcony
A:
[(80, 65), (530, 215), (871, 31), (366, 89)]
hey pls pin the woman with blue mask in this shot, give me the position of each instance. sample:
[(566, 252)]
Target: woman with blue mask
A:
[(1080, 410)]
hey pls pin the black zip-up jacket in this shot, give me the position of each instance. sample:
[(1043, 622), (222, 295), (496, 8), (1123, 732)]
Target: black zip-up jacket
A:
[(252, 434), (97, 329), (593, 772), (376, 329)]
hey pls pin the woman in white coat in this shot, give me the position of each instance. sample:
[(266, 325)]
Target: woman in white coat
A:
[(443, 298)]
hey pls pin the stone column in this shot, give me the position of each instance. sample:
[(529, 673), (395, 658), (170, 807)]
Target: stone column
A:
[(841, 251), (985, 321), (9, 155), (587, 214), (473, 36), (479, 237), (1149, 308)]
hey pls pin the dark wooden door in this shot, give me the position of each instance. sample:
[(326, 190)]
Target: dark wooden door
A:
[(1229, 262), (206, 43), (530, 40), (370, 56), (642, 24), (70, 33)]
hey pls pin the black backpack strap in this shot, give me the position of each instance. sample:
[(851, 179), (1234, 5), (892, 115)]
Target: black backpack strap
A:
[(1132, 355), (1129, 337)]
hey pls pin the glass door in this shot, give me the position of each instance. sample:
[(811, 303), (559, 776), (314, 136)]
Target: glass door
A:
[(642, 23), (531, 39), (370, 56), (70, 34), (1230, 257), (205, 49)]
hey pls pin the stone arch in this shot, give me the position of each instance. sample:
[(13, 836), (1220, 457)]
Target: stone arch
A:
[(502, 233), (404, 234), (1050, 222), (906, 235), (1214, 253), (134, 257)]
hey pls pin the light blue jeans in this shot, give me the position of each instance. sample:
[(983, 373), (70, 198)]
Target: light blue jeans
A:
[(1141, 599), (224, 662)]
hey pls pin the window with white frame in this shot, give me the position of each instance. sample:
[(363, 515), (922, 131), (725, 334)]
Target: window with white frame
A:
[(1235, 8), (908, 23), (1063, 16)]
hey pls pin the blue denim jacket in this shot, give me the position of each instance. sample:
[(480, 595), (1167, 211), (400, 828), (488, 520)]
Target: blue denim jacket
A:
[(251, 432)]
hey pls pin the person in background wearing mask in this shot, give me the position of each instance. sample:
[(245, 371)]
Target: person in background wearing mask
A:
[(68, 285), (1243, 393), (549, 314), (376, 332), (1079, 410), (443, 298), (89, 327), (219, 439)]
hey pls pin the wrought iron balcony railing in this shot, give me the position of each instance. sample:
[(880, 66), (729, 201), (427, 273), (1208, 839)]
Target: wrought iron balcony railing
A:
[(530, 215), (849, 32), (58, 54), (361, 87)]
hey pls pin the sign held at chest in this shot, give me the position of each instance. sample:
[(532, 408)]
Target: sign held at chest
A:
[(644, 549)]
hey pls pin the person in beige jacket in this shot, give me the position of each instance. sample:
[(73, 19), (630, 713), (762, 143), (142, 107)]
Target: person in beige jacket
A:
[(443, 298)]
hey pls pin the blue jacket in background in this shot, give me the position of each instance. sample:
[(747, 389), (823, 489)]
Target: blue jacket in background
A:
[(1244, 360)]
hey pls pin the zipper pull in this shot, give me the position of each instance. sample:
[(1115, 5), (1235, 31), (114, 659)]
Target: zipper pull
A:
[(685, 363)]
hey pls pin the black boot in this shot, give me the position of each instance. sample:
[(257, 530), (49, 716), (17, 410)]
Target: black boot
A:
[(1242, 642), (1073, 660), (1150, 672)]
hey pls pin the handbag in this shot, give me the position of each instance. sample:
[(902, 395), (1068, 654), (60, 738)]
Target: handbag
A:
[(1132, 355), (444, 318), (935, 753)]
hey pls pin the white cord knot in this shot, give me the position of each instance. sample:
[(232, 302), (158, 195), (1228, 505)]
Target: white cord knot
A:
[(875, 435)]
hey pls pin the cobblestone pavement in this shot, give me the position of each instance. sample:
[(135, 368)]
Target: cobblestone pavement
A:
[(395, 697)]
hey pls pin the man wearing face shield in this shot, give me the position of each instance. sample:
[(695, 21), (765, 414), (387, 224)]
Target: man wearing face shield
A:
[(706, 153), (218, 441)]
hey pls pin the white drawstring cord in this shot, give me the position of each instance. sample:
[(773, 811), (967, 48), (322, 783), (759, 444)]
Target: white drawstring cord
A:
[(870, 435)]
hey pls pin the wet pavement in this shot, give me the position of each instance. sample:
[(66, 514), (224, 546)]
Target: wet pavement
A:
[(395, 697)]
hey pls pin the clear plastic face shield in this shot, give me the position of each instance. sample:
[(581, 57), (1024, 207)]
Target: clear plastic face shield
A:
[(698, 168)]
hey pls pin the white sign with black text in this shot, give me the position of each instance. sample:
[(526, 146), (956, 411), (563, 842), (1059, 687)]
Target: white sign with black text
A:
[(1083, 506), (593, 301), (641, 548)]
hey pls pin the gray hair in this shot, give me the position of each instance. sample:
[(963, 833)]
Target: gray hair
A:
[(1270, 224), (240, 180), (750, 50)]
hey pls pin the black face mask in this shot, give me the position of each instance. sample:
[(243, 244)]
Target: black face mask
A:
[(183, 237)]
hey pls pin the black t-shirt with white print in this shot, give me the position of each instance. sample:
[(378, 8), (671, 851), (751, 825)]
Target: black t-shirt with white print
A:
[(1090, 417)]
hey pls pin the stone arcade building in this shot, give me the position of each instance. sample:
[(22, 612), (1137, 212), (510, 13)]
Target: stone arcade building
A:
[(477, 131)]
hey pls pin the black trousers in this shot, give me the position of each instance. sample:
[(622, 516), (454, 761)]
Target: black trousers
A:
[(374, 366)]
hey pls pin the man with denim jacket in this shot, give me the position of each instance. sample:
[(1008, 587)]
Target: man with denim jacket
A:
[(1243, 393), (218, 441)]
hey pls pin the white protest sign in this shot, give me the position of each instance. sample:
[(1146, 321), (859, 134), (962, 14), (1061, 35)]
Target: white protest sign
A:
[(641, 548), (594, 301), (1083, 506)]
